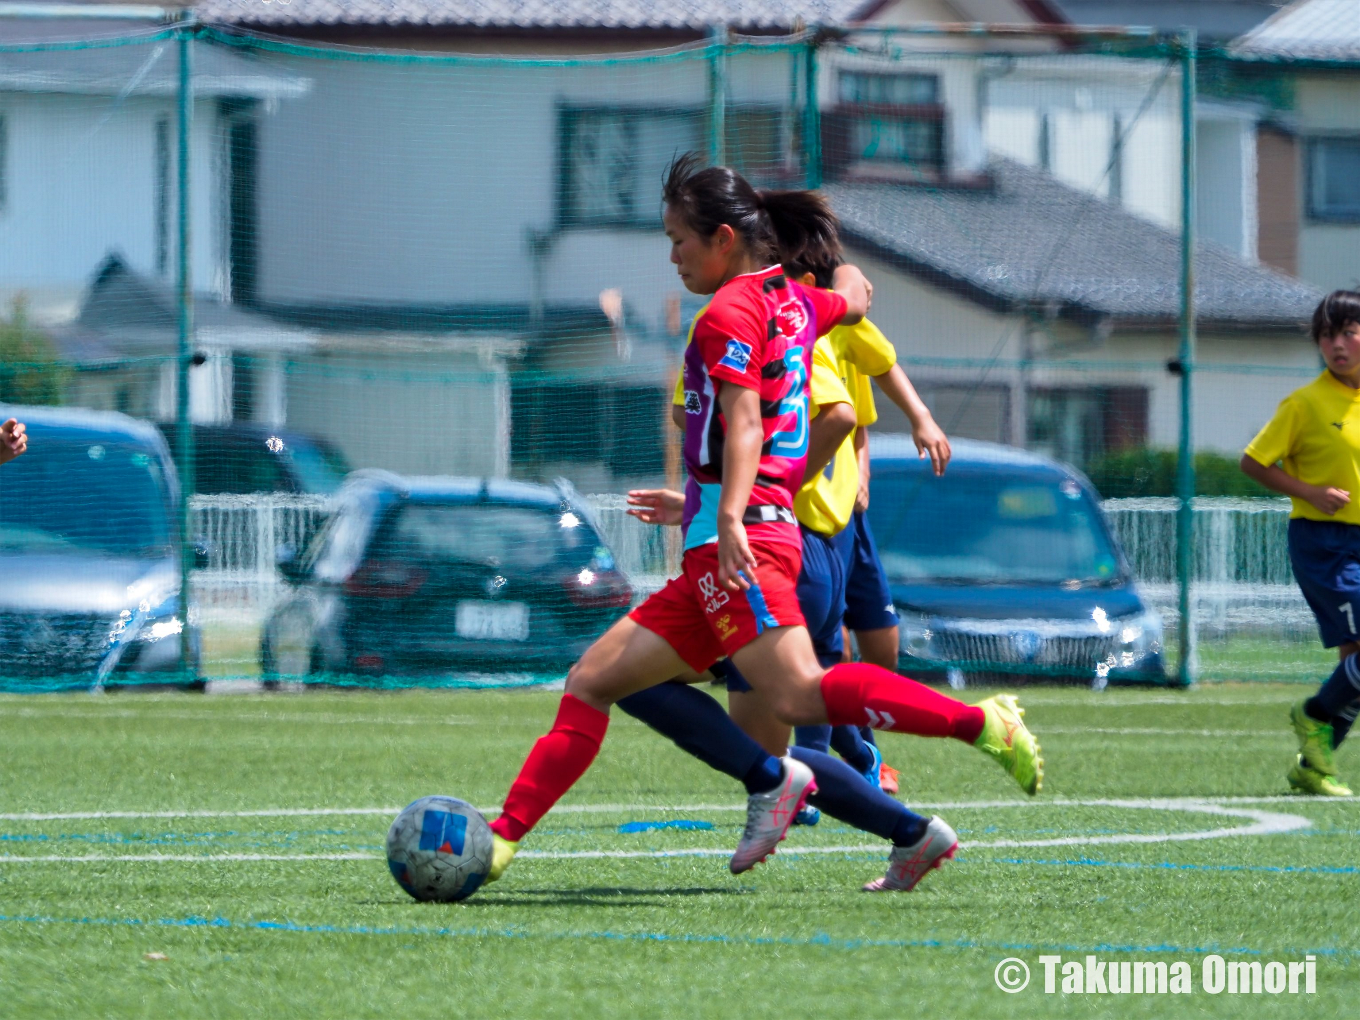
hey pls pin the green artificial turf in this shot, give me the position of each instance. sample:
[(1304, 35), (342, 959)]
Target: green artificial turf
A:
[(641, 936)]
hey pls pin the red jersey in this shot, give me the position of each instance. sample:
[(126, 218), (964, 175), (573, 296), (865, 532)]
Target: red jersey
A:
[(758, 333)]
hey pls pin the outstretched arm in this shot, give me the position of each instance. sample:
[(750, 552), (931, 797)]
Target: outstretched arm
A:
[(13, 440), (855, 287), (656, 506), (929, 438)]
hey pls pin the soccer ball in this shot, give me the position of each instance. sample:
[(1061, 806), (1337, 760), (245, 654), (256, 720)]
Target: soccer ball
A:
[(439, 848)]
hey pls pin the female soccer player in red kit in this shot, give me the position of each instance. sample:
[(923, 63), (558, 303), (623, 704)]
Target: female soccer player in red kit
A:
[(746, 373)]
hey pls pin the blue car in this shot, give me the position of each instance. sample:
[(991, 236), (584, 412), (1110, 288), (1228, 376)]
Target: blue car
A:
[(441, 575), (1005, 569), (89, 552)]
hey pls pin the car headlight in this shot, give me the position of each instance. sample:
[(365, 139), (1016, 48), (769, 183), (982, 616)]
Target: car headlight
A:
[(1139, 636), (914, 635)]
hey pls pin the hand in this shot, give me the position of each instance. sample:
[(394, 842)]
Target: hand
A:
[(736, 564), (1329, 500), (656, 506), (13, 440), (931, 442)]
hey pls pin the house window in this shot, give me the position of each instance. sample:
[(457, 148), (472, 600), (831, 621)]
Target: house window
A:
[(613, 162), (1334, 179), (4, 163), (888, 122), (1082, 425), (162, 196)]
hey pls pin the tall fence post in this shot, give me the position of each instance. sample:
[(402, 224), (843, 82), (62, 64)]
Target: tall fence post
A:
[(184, 352), (1185, 473), (717, 96), (812, 116)]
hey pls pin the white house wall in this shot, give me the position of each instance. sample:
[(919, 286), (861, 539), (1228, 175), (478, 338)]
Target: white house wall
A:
[(81, 183)]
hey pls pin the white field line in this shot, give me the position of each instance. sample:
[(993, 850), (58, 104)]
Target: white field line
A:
[(1263, 823), (1156, 803), (1142, 731), (332, 718)]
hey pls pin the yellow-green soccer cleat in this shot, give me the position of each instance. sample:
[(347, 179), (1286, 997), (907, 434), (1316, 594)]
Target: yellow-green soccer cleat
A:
[(1307, 780), (1006, 738), (502, 853), (1315, 740)]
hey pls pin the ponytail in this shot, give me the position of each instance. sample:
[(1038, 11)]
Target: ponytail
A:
[(783, 226)]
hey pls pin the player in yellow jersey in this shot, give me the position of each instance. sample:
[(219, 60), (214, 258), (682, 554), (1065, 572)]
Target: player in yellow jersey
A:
[(1310, 452)]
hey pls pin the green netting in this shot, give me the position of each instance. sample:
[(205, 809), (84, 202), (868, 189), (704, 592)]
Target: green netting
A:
[(435, 335)]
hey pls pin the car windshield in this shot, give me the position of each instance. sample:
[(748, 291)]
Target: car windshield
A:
[(495, 535), (989, 528), (96, 495)]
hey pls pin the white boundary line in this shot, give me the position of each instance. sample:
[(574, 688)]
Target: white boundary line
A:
[(1156, 803), (1263, 823)]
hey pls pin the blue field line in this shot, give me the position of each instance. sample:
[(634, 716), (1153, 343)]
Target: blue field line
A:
[(1090, 862), (820, 941)]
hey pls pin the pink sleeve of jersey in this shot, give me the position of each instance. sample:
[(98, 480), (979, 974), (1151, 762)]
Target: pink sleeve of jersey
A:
[(828, 306), (732, 345)]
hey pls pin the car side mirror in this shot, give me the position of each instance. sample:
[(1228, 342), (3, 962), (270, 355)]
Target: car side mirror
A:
[(287, 563)]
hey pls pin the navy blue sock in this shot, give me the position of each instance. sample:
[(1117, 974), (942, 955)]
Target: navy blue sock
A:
[(698, 724), (814, 738), (1341, 722), (1337, 691), (842, 793), (851, 746)]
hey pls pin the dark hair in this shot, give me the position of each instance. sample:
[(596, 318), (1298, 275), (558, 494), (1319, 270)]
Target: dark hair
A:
[(823, 270), (1334, 312), (783, 226)]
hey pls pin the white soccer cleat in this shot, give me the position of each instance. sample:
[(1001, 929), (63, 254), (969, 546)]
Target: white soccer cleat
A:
[(769, 815), (907, 865)]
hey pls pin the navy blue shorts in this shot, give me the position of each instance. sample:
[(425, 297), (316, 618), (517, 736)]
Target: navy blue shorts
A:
[(868, 599), (1325, 556), (821, 595)]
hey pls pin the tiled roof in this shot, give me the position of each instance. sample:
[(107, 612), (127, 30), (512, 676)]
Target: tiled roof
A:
[(532, 14), (1327, 30), (1033, 241)]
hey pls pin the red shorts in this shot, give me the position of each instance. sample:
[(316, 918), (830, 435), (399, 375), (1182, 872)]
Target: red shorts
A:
[(703, 621)]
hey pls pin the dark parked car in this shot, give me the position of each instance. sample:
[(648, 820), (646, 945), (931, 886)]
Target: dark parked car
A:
[(244, 457), (89, 551), (423, 575), (1005, 568)]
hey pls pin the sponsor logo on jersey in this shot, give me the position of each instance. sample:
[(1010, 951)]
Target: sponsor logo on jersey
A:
[(738, 355), (692, 403), (793, 317), (714, 597)]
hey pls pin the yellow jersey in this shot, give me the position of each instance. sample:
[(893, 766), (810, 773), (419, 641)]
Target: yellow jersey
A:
[(861, 352), (1316, 434)]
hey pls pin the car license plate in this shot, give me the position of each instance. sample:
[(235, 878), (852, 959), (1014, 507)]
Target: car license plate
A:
[(493, 621)]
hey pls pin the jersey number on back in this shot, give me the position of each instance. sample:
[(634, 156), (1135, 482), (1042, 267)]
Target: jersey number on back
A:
[(793, 443)]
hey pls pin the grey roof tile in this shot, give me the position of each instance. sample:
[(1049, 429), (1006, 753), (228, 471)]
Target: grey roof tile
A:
[(1327, 30), (1031, 240), (614, 14)]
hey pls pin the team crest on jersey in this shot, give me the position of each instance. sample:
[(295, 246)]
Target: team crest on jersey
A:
[(793, 317), (738, 355), (692, 403)]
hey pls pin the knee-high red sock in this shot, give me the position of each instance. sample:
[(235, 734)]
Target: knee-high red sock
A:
[(860, 694), (558, 759)]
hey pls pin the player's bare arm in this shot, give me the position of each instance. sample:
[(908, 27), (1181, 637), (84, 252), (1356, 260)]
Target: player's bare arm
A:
[(1326, 498), (13, 440), (831, 428), (862, 459), (855, 287), (741, 460), (664, 507), (929, 437)]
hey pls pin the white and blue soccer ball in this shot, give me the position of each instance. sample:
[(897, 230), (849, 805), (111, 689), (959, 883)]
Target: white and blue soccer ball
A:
[(439, 848)]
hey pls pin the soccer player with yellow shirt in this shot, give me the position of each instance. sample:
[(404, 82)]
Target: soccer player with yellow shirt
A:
[(1310, 452)]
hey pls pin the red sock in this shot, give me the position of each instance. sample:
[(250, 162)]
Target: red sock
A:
[(859, 694), (558, 759)]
